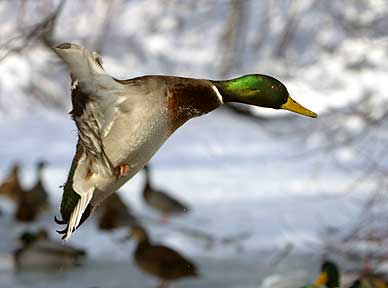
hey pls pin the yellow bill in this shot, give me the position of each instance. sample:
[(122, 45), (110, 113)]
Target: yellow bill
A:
[(321, 280), (294, 106)]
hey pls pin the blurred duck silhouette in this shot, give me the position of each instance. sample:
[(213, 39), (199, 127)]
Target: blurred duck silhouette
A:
[(160, 200), (39, 252), (38, 191), (11, 187), (33, 202), (160, 261), (329, 276), (114, 213)]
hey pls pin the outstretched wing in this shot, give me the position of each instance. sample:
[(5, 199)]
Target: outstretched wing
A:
[(93, 116), (94, 101), (70, 198)]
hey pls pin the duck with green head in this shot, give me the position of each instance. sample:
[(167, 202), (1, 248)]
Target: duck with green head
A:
[(122, 123), (38, 251), (328, 277)]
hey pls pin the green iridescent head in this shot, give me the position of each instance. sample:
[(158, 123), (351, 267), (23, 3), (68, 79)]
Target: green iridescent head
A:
[(260, 90), (329, 276), (27, 237)]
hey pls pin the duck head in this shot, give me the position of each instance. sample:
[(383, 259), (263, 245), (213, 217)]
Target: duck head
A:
[(329, 275), (260, 90), (29, 237)]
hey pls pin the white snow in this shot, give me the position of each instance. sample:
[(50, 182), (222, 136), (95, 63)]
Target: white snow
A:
[(265, 181), (236, 177)]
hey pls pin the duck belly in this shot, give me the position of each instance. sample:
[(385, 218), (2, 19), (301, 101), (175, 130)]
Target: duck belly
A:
[(133, 141)]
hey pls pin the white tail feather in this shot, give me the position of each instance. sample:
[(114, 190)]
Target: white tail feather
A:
[(76, 215)]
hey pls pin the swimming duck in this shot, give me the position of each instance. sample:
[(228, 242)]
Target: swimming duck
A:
[(329, 276), (161, 200), (33, 202), (160, 261), (38, 251), (114, 213), (122, 123), (11, 187)]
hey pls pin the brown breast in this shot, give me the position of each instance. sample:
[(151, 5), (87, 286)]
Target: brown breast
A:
[(188, 98)]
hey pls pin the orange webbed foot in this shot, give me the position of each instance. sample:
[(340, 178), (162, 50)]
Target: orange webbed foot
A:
[(121, 170)]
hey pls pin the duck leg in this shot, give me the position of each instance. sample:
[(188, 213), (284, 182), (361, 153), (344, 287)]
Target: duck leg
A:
[(121, 170)]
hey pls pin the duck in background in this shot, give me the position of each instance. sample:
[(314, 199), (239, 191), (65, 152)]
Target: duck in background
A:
[(329, 276), (160, 200), (38, 251), (11, 187), (114, 213), (28, 237), (160, 261), (38, 191), (26, 211), (35, 201)]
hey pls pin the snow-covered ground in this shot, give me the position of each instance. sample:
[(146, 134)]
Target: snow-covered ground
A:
[(237, 177)]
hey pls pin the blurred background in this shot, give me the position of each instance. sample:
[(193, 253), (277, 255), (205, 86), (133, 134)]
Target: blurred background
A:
[(271, 195)]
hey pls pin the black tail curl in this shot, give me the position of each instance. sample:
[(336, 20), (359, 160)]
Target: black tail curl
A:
[(85, 216)]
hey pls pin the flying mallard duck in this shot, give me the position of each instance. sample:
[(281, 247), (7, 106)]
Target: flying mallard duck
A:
[(161, 200), (329, 276), (38, 251), (11, 187), (160, 261), (114, 213), (33, 202), (122, 123)]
